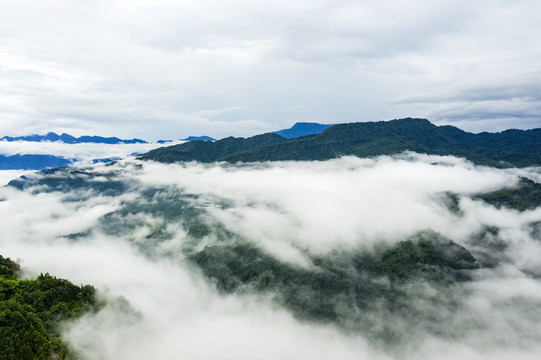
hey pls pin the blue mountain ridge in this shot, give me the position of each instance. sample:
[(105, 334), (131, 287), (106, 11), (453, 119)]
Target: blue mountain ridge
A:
[(204, 138), (31, 162), (68, 139), (302, 129)]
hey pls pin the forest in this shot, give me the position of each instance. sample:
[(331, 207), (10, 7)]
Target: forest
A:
[(32, 313), (365, 139)]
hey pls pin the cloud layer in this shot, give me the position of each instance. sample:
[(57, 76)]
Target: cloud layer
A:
[(84, 151), (135, 245), (148, 68)]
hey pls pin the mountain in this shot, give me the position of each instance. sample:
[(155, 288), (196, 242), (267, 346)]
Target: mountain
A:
[(32, 313), (68, 139), (31, 162), (508, 148), (204, 138), (302, 129)]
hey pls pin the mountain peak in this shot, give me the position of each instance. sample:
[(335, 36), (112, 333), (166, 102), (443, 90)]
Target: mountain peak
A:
[(302, 129), (204, 138)]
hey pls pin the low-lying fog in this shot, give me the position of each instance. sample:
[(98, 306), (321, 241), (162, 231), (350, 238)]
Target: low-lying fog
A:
[(132, 240)]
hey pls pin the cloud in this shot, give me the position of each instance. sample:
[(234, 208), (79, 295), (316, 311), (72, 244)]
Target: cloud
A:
[(82, 151), (143, 69), (345, 201), (136, 246), (7, 175)]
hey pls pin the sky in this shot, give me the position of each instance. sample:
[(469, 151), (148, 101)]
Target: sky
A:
[(165, 69)]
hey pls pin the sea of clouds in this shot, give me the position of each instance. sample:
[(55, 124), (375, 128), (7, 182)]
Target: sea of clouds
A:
[(162, 306)]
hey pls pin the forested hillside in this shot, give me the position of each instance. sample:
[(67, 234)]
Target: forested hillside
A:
[(508, 148), (31, 312)]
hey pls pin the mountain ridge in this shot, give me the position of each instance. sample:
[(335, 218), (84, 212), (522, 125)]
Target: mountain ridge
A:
[(31, 162), (364, 139), (69, 139), (204, 138), (302, 129)]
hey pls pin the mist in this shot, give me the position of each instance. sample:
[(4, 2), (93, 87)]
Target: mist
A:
[(136, 231)]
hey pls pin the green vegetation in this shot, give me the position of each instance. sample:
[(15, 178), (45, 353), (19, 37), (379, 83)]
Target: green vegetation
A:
[(206, 151), (509, 148), (425, 255), (525, 196), (31, 312), (340, 287), (161, 212)]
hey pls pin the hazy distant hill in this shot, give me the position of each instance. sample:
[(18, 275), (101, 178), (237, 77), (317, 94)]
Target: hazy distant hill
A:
[(204, 138), (68, 139), (302, 129), (31, 162), (507, 148)]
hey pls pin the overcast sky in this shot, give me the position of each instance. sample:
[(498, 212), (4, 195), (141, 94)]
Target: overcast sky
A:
[(168, 69)]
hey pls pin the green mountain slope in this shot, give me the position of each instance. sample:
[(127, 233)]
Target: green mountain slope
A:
[(31, 312), (508, 148), (206, 151)]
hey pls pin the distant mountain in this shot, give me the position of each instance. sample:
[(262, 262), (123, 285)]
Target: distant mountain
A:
[(68, 139), (163, 141), (106, 160), (302, 129), (508, 148), (193, 138), (31, 162)]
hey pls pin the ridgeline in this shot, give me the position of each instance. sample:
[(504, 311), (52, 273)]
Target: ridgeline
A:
[(509, 148)]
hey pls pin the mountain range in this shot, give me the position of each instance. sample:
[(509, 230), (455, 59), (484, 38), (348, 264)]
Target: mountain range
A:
[(312, 141), (504, 149), (373, 241), (69, 139), (43, 161)]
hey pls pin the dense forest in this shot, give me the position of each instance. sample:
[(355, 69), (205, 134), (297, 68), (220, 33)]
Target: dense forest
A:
[(505, 149), (344, 287), (32, 311)]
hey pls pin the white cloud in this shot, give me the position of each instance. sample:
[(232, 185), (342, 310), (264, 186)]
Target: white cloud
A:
[(149, 68), (347, 201), (7, 175), (82, 151), (289, 209)]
